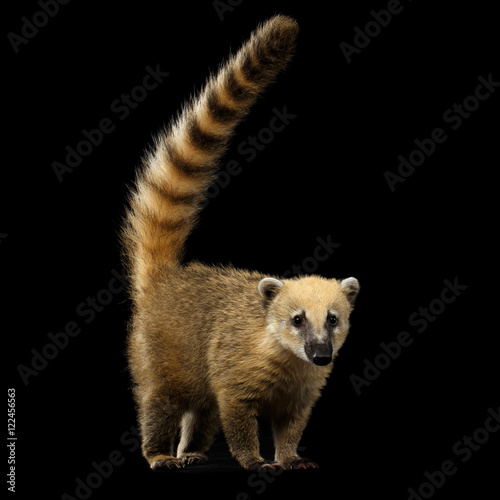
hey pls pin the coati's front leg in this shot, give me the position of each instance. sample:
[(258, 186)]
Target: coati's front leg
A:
[(287, 429), (239, 422)]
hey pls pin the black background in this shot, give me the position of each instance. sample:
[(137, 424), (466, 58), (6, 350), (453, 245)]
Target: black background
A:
[(323, 175)]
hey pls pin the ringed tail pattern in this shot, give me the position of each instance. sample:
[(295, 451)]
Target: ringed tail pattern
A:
[(172, 183)]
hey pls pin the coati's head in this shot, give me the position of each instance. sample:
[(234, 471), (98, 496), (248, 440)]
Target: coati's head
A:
[(309, 315)]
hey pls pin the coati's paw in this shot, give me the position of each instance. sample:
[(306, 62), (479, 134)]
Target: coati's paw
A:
[(265, 466), (165, 462), (300, 463), (193, 458)]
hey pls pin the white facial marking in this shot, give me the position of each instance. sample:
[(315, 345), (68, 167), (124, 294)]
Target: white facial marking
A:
[(300, 353), (277, 335)]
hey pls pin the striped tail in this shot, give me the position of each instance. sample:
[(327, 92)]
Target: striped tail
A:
[(172, 183)]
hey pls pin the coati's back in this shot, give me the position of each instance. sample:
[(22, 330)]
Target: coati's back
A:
[(197, 309)]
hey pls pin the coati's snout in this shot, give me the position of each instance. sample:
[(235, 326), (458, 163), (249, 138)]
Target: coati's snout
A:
[(319, 354)]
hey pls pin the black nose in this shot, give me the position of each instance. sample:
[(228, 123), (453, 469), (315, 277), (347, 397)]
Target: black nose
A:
[(322, 354)]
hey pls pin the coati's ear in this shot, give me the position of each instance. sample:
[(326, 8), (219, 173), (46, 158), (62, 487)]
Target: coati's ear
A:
[(350, 286), (269, 287)]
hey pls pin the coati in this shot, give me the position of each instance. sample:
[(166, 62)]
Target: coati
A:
[(211, 346)]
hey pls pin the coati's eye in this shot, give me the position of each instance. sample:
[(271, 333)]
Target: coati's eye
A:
[(297, 320), (332, 319)]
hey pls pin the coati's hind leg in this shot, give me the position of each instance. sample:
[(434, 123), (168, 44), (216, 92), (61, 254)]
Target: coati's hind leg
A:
[(159, 420), (198, 429)]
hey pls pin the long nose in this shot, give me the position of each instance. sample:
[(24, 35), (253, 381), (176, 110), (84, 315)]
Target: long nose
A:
[(322, 354)]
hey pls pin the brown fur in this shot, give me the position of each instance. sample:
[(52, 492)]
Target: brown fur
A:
[(213, 345)]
